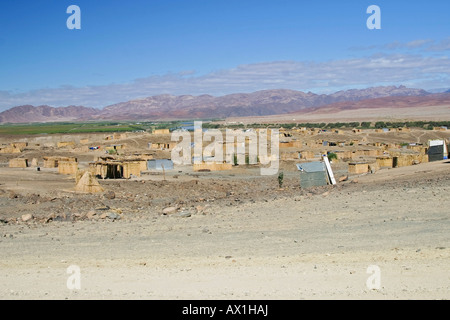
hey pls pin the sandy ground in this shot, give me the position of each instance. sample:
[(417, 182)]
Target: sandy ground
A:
[(297, 244), (434, 113)]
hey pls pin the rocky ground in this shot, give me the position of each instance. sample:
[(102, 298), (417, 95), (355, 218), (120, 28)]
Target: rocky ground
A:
[(193, 236), (47, 196)]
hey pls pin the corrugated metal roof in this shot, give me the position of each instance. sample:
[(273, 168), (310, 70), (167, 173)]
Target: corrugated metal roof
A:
[(316, 166), (157, 164)]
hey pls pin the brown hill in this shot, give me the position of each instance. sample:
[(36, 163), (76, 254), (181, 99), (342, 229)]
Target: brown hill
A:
[(429, 107), (260, 103), (392, 102), (28, 113), (169, 107)]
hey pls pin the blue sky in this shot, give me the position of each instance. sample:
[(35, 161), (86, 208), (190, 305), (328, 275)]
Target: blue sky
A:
[(131, 49)]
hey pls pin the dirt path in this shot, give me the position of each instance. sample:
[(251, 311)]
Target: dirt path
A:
[(309, 246)]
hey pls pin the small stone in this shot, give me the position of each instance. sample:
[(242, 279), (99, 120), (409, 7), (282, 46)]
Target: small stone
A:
[(200, 209), (185, 214), (27, 217), (13, 195), (113, 216), (90, 214), (50, 218), (169, 210), (60, 217), (102, 208), (110, 195)]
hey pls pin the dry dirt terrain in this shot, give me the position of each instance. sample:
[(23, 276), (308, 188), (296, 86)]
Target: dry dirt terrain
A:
[(233, 236), (407, 113)]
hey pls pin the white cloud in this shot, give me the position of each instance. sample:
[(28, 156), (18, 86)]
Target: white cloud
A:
[(443, 45), (415, 44), (420, 45), (380, 69)]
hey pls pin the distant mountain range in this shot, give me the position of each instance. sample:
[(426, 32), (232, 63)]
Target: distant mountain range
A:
[(27, 113), (392, 102), (439, 90), (169, 107)]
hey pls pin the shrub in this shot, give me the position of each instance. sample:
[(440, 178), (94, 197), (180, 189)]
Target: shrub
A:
[(280, 179), (332, 156)]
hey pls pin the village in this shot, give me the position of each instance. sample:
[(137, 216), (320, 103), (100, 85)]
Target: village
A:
[(97, 163), (127, 155)]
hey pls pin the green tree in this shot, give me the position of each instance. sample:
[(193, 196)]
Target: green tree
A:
[(380, 124)]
